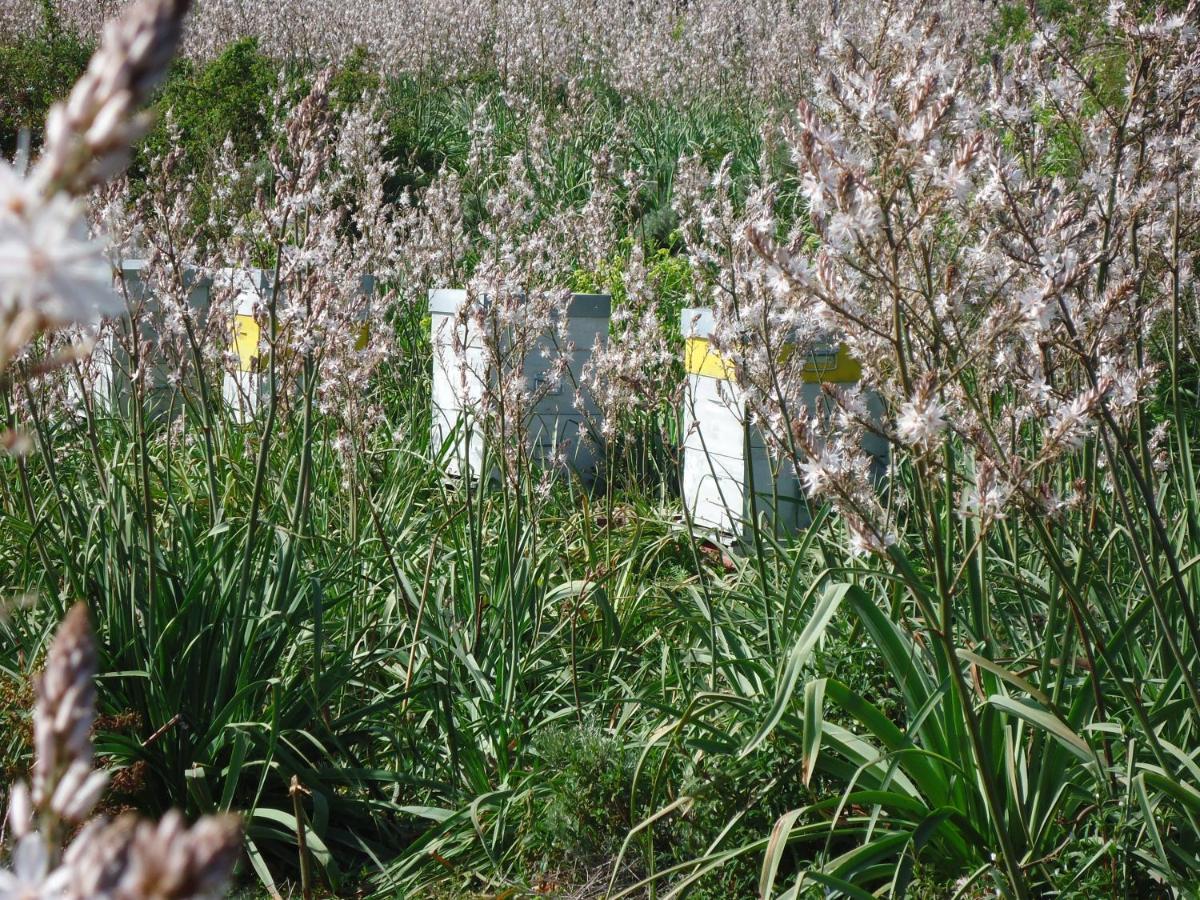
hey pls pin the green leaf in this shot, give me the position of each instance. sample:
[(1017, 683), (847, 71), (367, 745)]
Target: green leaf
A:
[(1004, 674), (801, 651), (1184, 793), (260, 867), (1046, 721), (814, 698), (774, 852), (834, 883), (925, 770), (1139, 789), (233, 771), (900, 655)]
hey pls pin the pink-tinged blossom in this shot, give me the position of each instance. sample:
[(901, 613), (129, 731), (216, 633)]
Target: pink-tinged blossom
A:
[(818, 473), (921, 422), (947, 246), (125, 859)]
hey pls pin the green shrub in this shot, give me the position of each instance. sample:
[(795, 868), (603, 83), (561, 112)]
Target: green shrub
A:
[(228, 97), (355, 79), (33, 74), (200, 107), (584, 816)]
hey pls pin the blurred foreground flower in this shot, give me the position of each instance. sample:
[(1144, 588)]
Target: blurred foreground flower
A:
[(123, 859), (53, 272)]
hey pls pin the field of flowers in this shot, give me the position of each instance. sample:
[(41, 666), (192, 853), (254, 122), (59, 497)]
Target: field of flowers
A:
[(619, 448)]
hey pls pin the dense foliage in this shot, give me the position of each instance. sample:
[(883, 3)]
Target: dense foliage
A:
[(976, 675)]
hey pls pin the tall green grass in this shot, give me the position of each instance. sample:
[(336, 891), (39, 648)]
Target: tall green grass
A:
[(487, 689)]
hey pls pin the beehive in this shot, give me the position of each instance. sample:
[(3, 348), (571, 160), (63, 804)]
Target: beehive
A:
[(556, 427), (110, 365), (729, 477), (244, 386)]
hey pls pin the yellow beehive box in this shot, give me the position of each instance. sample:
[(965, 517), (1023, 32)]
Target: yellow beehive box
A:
[(246, 384)]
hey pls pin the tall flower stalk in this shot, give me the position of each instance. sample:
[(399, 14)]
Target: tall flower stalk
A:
[(998, 246), (54, 275)]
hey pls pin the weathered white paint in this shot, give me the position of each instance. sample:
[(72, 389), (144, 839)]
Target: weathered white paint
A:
[(557, 426), (110, 368), (729, 477)]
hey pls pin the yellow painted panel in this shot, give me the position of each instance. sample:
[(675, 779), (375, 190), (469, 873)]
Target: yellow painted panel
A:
[(700, 360), (245, 341), (837, 367)]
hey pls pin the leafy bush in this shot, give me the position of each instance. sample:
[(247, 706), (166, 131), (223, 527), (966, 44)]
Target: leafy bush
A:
[(229, 97), (34, 73), (202, 107), (582, 814)]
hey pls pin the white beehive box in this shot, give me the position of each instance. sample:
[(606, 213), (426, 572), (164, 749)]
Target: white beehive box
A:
[(729, 476), (557, 426), (110, 368), (244, 386)]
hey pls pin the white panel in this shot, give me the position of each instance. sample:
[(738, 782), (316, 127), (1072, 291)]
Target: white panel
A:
[(561, 399), (876, 444), (716, 464), (110, 364), (716, 476), (581, 333), (243, 392), (564, 440), (466, 451), (459, 372), (458, 387), (536, 364), (714, 503), (452, 333), (715, 404), (556, 420)]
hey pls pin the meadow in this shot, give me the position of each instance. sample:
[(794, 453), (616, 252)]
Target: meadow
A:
[(253, 592)]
